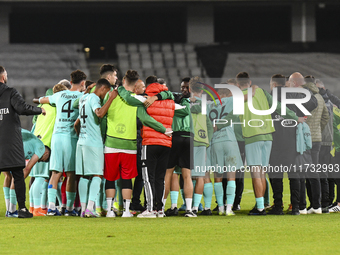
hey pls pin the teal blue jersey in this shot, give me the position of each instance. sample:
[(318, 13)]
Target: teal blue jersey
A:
[(32, 144), (219, 111), (66, 114), (90, 134)]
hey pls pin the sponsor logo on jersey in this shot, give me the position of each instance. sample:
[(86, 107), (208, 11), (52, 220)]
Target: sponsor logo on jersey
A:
[(120, 128)]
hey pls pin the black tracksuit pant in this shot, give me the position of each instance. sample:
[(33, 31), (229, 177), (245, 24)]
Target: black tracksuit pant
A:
[(138, 184), (19, 183), (313, 180), (276, 181), (324, 159), (154, 164)]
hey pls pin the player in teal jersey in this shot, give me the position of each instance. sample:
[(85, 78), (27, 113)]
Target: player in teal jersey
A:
[(43, 129), (225, 154), (64, 142), (35, 151), (90, 148)]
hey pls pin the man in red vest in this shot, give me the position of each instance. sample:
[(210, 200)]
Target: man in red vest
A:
[(155, 152)]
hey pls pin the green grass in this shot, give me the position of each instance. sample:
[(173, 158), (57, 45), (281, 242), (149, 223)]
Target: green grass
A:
[(241, 234)]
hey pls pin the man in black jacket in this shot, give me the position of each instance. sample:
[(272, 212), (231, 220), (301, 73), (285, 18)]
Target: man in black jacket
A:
[(284, 152), (12, 151)]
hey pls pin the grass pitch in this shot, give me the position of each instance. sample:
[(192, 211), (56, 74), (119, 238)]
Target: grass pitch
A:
[(240, 234)]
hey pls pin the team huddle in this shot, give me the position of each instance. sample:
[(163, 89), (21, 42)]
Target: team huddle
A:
[(95, 138)]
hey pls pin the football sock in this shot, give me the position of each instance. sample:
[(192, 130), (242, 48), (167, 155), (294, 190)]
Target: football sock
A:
[(197, 200), (70, 196), (163, 202), (109, 204), (44, 195), (174, 199), (207, 193), (260, 203), (104, 203), (182, 195), (59, 193), (83, 191), (12, 200), (188, 202), (94, 190), (30, 193), (230, 192), (218, 193), (36, 191), (52, 197), (6, 194), (127, 205)]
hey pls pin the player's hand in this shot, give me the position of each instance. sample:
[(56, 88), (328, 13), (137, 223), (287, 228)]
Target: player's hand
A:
[(150, 101), (168, 132), (302, 119), (113, 94), (43, 111), (192, 99)]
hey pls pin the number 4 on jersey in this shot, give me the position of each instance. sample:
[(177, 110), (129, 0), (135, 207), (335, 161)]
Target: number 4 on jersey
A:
[(82, 114), (67, 108)]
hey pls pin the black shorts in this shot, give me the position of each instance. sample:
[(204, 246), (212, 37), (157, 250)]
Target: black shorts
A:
[(180, 154)]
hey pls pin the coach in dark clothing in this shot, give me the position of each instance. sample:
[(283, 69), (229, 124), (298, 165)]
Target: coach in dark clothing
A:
[(284, 150), (11, 150)]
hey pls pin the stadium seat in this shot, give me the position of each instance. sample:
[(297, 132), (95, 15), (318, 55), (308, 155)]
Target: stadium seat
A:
[(172, 72), (189, 48), (144, 47), (120, 47), (184, 72), (196, 71), (166, 47), (146, 63), (169, 59), (145, 55), (132, 47), (154, 47), (160, 72), (178, 47)]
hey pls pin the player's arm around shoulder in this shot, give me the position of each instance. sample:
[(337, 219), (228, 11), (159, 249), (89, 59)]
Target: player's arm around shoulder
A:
[(128, 98), (147, 120), (101, 111)]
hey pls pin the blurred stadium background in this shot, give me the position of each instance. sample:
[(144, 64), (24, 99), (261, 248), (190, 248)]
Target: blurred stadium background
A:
[(42, 42)]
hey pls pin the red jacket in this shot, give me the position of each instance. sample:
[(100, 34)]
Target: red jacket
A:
[(162, 111)]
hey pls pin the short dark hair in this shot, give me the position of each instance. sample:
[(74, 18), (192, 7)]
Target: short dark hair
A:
[(131, 76), (88, 83), (107, 68), (103, 82), (186, 79), (161, 81), (279, 79), (78, 76), (309, 78), (195, 84), (150, 79), (2, 69), (242, 78)]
